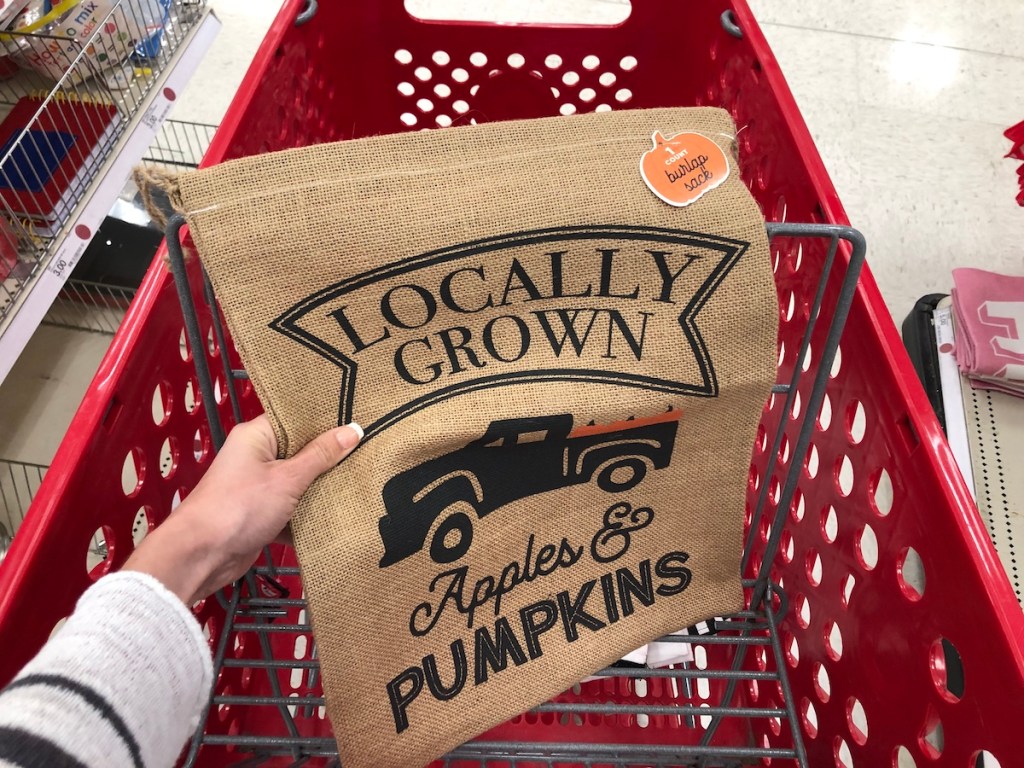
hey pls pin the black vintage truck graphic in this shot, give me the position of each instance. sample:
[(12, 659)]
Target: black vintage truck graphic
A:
[(502, 467)]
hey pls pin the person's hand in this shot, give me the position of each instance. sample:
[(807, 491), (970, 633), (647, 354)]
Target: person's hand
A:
[(243, 503)]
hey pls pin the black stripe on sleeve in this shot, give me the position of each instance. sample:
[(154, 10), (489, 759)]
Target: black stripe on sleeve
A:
[(97, 702), (27, 750)]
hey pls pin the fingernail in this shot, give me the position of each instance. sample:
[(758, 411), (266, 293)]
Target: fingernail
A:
[(356, 428)]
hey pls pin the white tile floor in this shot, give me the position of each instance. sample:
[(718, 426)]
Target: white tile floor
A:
[(246, 22), (906, 99)]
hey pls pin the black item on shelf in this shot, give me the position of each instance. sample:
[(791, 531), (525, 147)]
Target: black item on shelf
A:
[(119, 254), (919, 339)]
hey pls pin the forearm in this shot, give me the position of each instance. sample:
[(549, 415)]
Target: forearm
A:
[(122, 683), (181, 554), (126, 679)]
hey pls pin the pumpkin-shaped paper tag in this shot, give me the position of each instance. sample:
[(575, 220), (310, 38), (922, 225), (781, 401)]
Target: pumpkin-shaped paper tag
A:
[(684, 168)]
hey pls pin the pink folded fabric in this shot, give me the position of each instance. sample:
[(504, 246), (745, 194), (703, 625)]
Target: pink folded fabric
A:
[(1016, 135), (989, 312)]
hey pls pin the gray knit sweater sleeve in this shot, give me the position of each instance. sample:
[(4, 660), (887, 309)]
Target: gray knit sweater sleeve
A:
[(121, 684)]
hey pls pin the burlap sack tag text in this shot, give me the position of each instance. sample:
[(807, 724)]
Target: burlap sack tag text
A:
[(559, 369)]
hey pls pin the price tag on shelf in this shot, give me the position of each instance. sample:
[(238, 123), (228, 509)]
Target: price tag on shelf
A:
[(159, 109), (71, 249)]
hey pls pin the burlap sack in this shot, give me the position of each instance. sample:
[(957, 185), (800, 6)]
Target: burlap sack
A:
[(559, 374)]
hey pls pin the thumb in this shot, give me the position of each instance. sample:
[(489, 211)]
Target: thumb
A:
[(323, 453)]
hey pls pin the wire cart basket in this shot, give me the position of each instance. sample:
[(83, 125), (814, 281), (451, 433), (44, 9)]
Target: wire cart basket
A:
[(880, 629), (745, 649)]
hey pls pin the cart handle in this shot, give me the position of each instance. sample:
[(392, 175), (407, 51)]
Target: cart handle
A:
[(642, 14)]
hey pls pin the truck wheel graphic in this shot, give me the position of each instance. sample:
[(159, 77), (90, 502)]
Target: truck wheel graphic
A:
[(452, 535), (622, 474)]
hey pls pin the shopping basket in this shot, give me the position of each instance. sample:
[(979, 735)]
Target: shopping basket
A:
[(887, 635)]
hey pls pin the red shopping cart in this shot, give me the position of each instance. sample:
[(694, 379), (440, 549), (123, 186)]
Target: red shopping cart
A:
[(881, 629)]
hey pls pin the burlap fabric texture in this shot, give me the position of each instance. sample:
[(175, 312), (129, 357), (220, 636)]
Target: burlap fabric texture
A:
[(560, 377)]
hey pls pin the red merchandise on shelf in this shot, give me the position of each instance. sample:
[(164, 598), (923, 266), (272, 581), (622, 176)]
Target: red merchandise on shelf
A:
[(8, 248), (1016, 135), (48, 148)]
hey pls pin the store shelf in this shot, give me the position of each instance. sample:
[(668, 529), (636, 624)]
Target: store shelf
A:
[(87, 306), (32, 294), (19, 482)]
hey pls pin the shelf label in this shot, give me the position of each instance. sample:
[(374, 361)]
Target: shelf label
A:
[(70, 251), (159, 109)]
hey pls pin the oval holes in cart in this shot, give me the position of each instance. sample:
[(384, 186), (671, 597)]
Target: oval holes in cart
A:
[(798, 507), (848, 584), (161, 403), (813, 567), (910, 574), (141, 525), (844, 476), (791, 649), (133, 472), (984, 759), (822, 684), (903, 759), (100, 553), (837, 363), (168, 457), (842, 753), (812, 462), (803, 610), (829, 524), (201, 443), (809, 718), (833, 641), (191, 397), (881, 493), (825, 415), (932, 737), (947, 670), (867, 548), (857, 720), (856, 421), (786, 547)]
